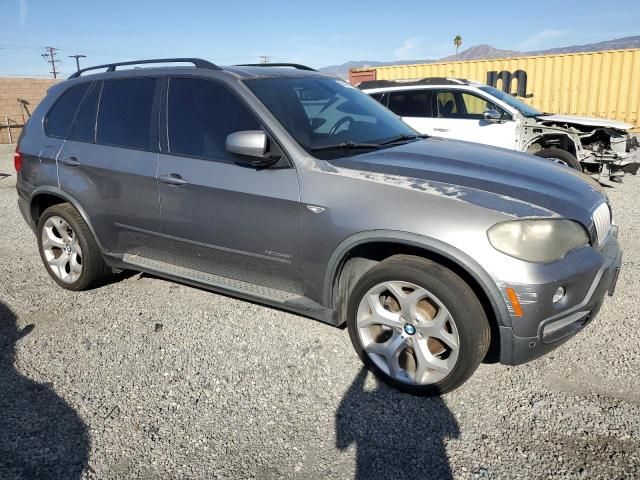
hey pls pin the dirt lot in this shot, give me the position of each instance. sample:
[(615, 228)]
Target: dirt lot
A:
[(146, 378)]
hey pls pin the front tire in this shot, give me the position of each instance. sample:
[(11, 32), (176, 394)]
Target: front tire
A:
[(68, 250), (417, 325), (560, 156)]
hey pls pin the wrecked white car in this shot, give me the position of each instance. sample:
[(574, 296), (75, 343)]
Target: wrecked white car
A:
[(471, 111), (605, 148)]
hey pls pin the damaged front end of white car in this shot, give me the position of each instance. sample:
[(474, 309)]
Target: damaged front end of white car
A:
[(607, 150)]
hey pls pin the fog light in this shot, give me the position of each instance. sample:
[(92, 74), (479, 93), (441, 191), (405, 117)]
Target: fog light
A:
[(559, 295)]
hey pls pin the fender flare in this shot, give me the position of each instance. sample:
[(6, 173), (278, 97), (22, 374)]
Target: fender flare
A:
[(70, 199), (461, 259)]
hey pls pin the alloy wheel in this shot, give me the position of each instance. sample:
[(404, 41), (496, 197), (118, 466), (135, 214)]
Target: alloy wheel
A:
[(408, 332), (61, 249)]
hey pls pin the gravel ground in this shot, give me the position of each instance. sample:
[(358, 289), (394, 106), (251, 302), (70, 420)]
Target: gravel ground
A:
[(146, 378)]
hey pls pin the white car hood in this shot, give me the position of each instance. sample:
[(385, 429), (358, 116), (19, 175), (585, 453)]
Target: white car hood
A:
[(588, 121)]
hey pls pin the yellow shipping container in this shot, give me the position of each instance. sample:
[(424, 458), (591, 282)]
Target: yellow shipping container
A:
[(602, 84)]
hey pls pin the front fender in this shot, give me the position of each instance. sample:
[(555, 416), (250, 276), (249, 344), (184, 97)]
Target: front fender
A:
[(428, 244), (533, 133)]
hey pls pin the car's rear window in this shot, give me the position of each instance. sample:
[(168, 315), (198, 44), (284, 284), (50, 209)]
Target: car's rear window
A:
[(60, 118), (125, 113)]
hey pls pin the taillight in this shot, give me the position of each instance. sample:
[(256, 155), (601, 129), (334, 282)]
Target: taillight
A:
[(17, 159)]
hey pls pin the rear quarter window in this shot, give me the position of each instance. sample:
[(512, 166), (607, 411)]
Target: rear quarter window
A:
[(59, 120), (84, 128), (380, 97)]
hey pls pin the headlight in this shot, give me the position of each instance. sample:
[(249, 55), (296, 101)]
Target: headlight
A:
[(544, 240)]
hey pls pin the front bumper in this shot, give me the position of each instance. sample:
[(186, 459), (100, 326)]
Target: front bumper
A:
[(554, 330), (609, 165), (631, 163)]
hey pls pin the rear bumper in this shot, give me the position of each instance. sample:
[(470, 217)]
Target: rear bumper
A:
[(23, 204), (557, 329)]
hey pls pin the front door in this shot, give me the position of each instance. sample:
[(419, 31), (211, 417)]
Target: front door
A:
[(219, 215), (460, 116)]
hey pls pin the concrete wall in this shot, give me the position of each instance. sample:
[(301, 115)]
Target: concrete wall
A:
[(30, 89)]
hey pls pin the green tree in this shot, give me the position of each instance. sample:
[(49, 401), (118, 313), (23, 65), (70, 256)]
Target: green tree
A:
[(457, 41)]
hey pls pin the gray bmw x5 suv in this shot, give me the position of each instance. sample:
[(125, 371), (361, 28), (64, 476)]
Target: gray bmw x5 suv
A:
[(284, 186)]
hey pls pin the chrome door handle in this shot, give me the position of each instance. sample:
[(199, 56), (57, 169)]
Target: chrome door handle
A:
[(173, 179), (71, 161), (440, 129)]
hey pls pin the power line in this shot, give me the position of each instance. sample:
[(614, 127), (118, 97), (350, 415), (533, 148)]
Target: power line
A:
[(20, 46), (24, 75), (50, 57), (110, 53), (265, 58)]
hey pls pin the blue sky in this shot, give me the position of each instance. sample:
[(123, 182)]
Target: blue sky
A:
[(317, 33)]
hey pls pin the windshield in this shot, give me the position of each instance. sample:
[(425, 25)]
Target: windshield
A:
[(329, 117), (523, 108)]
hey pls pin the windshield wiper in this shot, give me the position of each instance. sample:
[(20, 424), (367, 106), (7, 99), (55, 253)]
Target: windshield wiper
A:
[(346, 145), (402, 138), (354, 145)]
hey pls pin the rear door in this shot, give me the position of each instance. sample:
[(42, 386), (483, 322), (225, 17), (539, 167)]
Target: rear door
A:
[(459, 115), (110, 161), (219, 215), (57, 123)]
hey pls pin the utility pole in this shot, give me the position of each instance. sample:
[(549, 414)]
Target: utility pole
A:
[(50, 57), (265, 58), (77, 57)]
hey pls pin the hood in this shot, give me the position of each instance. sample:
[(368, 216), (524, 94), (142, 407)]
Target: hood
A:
[(490, 177), (587, 121)]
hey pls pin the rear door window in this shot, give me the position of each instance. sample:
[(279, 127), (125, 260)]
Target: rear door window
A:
[(411, 103), (200, 115), (125, 114), (60, 118)]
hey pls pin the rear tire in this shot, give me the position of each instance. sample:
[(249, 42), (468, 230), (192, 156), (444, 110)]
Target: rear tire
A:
[(560, 156), (68, 250), (428, 333)]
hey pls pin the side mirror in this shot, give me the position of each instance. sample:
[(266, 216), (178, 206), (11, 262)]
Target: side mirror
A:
[(249, 143), (252, 143), (492, 116)]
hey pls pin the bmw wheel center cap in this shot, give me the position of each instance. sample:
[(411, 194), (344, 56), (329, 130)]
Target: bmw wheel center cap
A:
[(409, 329)]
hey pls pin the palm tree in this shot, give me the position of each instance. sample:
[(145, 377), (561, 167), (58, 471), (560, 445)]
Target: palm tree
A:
[(457, 41)]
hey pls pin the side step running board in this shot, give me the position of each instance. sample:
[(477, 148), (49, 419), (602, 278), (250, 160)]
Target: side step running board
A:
[(271, 296)]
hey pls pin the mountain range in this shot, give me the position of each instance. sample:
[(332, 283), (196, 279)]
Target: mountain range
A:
[(484, 52)]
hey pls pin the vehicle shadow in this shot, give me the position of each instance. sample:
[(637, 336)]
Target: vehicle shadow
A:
[(117, 277), (41, 436), (395, 435)]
